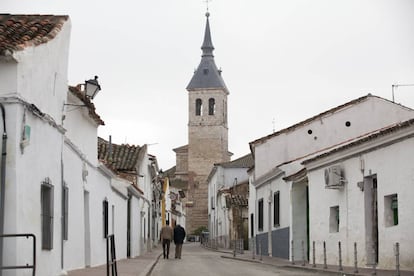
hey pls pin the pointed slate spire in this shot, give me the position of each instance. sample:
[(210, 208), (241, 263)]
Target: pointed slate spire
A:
[(207, 75), (207, 46)]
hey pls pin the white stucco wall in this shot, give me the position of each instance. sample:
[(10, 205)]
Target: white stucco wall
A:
[(81, 129), (42, 74), (8, 77), (39, 77), (393, 168), (327, 131)]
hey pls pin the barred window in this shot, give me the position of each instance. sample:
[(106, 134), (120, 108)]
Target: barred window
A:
[(46, 194)]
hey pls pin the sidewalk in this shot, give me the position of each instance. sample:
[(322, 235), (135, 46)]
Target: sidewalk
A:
[(139, 266), (332, 269)]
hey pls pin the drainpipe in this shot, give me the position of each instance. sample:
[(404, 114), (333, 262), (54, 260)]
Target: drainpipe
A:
[(269, 233), (2, 183)]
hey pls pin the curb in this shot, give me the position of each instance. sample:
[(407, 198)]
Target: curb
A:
[(148, 269), (304, 268)]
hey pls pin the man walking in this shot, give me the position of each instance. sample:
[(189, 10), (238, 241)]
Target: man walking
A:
[(179, 235), (166, 235)]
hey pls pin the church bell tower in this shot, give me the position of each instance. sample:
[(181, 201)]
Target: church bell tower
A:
[(207, 130)]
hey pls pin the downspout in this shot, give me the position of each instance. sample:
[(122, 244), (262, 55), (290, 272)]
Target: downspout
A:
[(269, 233), (2, 183), (62, 222)]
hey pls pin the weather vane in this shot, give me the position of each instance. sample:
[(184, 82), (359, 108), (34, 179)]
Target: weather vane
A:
[(207, 1)]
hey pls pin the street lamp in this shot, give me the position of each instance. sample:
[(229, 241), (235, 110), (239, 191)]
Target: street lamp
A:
[(92, 87)]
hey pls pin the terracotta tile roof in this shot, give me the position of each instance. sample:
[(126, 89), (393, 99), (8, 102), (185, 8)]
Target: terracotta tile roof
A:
[(245, 161), (237, 200), (124, 158), (20, 31), (372, 136), (91, 107)]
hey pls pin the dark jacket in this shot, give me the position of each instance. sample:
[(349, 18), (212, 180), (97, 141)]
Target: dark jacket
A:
[(179, 234)]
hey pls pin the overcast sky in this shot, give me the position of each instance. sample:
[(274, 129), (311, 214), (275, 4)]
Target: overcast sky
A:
[(283, 61)]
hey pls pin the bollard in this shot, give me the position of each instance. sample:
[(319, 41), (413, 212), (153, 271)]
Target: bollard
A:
[(355, 258), (303, 253), (234, 248), (313, 254), (260, 250), (293, 256), (324, 255), (253, 248), (340, 257), (397, 259), (374, 267)]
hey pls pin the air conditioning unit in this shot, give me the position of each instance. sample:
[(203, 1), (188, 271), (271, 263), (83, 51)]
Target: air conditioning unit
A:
[(334, 177)]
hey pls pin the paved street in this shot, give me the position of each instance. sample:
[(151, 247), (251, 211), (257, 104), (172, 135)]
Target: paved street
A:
[(200, 261)]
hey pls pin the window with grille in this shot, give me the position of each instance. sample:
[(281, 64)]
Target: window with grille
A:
[(46, 193), (260, 210), (276, 209)]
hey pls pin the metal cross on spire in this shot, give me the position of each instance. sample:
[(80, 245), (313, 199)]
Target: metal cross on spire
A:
[(207, 1)]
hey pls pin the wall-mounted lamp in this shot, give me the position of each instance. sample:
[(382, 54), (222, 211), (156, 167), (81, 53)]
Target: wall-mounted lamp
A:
[(92, 87)]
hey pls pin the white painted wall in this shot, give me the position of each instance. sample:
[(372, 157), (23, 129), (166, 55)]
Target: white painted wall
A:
[(393, 166), (219, 217), (329, 130), (8, 77), (39, 77), (82, 131)]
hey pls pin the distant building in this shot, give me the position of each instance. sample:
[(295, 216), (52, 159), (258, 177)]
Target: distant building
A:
[(207, 134), (228, 193)]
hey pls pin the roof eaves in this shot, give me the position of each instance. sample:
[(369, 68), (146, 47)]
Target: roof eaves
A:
[(19, 31)]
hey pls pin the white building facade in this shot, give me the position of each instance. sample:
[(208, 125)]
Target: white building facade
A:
[(54, 187), (281, 196), (370, 204), (224, 182)]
